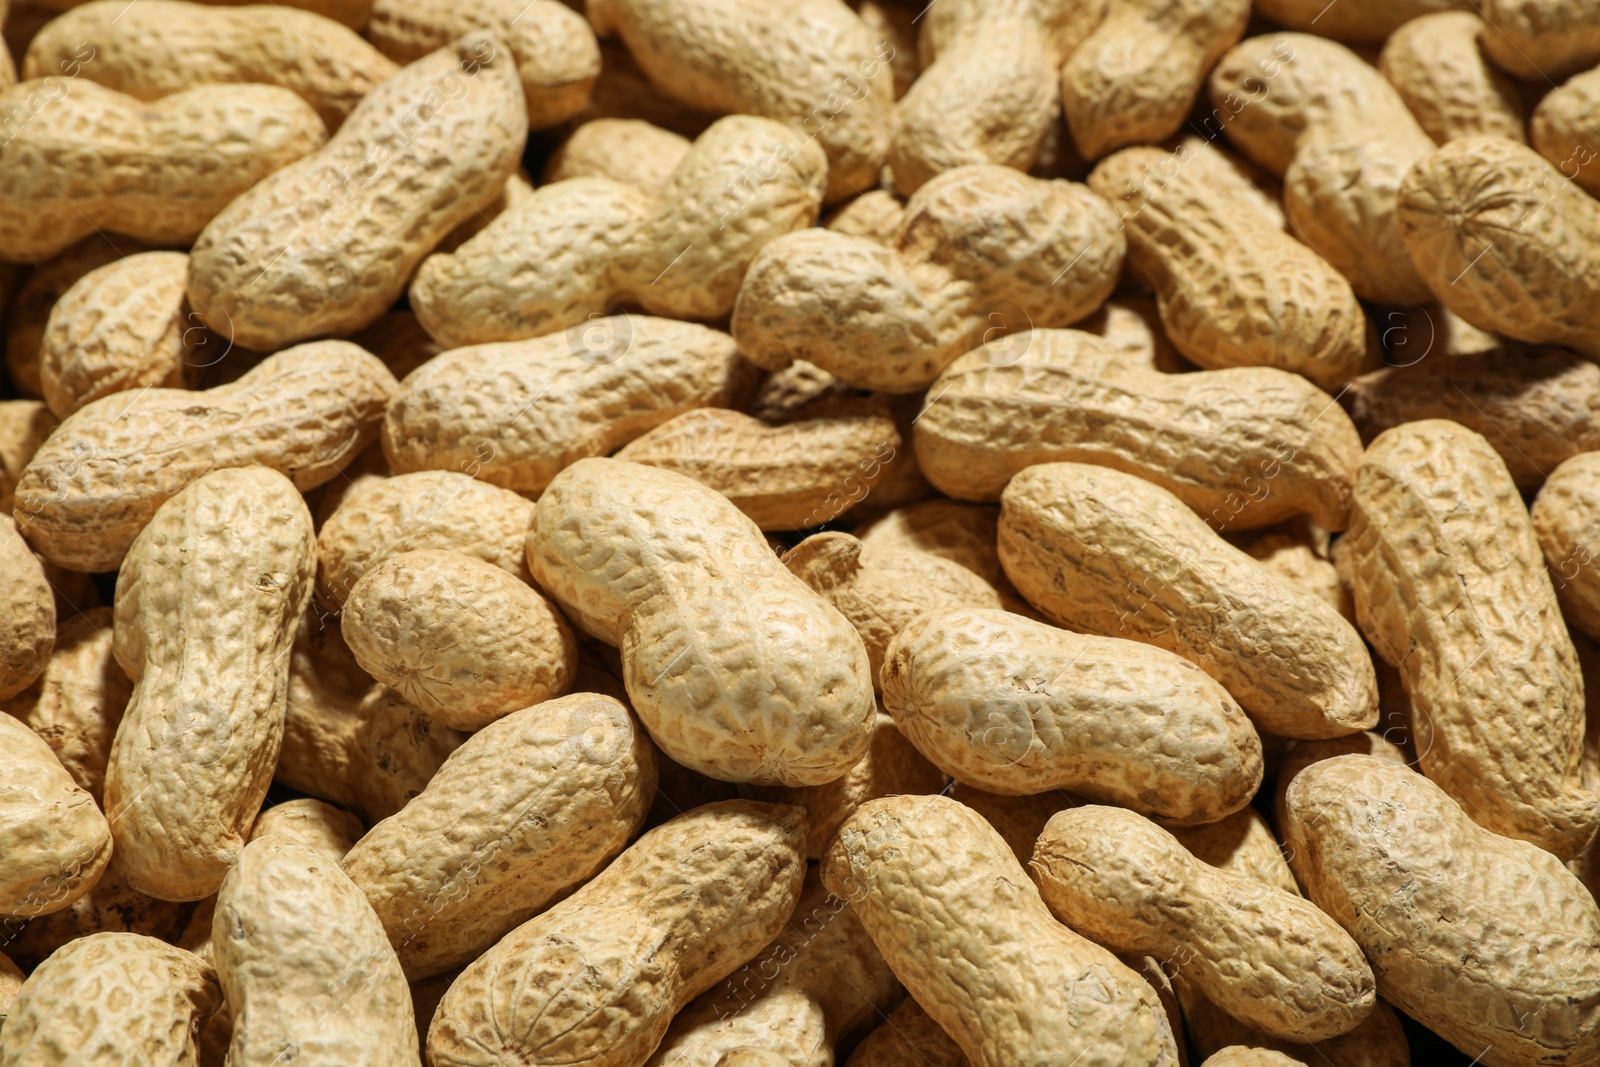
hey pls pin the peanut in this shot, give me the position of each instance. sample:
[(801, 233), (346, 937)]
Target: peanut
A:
[(111, 998), (11, 979), (86, 158), (44, 284), (322, 827), (1356, 22), (1203, 436), (1437, 65), (630, 151), (834, 85), (735, 666), (1019, 820), (1512, 977), (1542, 40), (24, 424), (577, 249), (110, 906), (1562, 129), (907, 1037), (1377, 1041), (1241, 844), (981, 694), (95, 483), (528, 808), (958, 920), (1132, 324), (163, 47), (555, 51), (27, 613), (598, 978), (1566, 514), (305, 965), (1502, 239), (398, 338), (1450, 588), (57, 843), (1300, 552), (623, 92), (302, 254), (515, 414), (192, 760), (1105, 552), (1314, 113), (1243, 1056)]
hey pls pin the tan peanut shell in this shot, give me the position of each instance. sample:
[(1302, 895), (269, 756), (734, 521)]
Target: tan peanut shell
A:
[(907, 1037), (1503, 240), (598, 978), (44, 285), (528, 808), (1233, 289), (110, 906), (982, 251), (735, 666), (1542, 40), (327, 245), (557, 58), (324, 828), (515, 414), (111, 998), (425, 510), (1105, 552), (27, 613), (1019, 820), (1513, 974), (163, 47), (193, 758), (1566, 518), (56, 842), (1122, 880), (793, 476), (305, 965), (1316, 114), (123, 326), (1135, 78), (89, 158), (1300, 552), (831, 82), (1212, 438), (1246, 1056), (1015, 706), (92, 486), (1451, 588), (958, 113), (1561, 129), (1131, 323), (1241, 844), (24, 424), (630, 151), (1377, 1041), (821, 981), (954, 530), (875, 215), (76, 704), (962, 925), (1536, 409), (460, 638), (1436, 64)]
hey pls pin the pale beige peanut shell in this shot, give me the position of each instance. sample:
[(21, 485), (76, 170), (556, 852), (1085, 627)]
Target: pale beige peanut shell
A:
[(1134, 80), (112, 998), (307, 412), (1300, 552), (1561, 129), (310, 252), (581, 248), (983, 251), (954, 530), (819, 983), (57, 843), (881, 589), (1542, 41), (793, 476), (831, 82), (1105, 552), (123, 326), (1514, 973), (964, 929), (1566, 518), (1246, 1056), (24, 424), (1536, 409), (895, 25), (1019, 820), (424, 510), (630, 151), (460, 638), (892, 766), (1241, 844), (368, 468), (1505, 241), (557, 57), (515, 414), (1265, 955), (1320, 116), (1131, 323), (527, 809), (91, 158), (876, 215), (907, 1038), (76, 704), (305, 964), (45, 283), (1233, 289), (1451, 588), (735, 666), (1215, 439), (1436, 64), (163, 47), (192, 760), (1014, 706), (598, 978), (27, 613), (1356, 22)]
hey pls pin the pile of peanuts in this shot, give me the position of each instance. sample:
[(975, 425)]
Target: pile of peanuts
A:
[(793, 533)]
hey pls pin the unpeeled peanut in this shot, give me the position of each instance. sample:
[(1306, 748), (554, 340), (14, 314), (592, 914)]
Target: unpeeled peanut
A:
[(45, 283), (1562, 129), (57, 843), (27, 613), (1542, 40), (1436, 64), (630, 151), (1566, 518), (907, 1036), (24, 424)]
